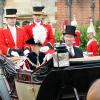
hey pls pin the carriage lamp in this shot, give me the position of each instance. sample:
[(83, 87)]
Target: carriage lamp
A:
[(61, 56)]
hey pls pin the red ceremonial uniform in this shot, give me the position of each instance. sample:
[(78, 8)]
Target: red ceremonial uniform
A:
[(92, 47), (45, 33), (77, 38), (7, 41)]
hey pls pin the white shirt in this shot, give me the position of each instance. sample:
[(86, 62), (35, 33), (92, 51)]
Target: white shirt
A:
[(37, 23), (13, 32)]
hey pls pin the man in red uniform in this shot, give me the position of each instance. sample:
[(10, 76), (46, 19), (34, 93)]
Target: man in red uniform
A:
[(92, 45), (78, 36), (37, 27), (12, 37)]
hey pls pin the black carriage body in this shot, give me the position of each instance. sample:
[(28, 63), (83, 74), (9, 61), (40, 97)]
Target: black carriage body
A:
[(63, 84), (60, 83)]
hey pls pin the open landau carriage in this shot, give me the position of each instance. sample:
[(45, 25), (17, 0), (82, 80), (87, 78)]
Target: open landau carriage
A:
[(65, 83)]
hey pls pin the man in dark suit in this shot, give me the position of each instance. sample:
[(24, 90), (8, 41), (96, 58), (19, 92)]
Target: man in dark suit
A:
[(69, 38)]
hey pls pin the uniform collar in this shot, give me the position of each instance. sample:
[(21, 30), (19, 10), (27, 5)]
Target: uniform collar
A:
[(11, 27), (37, 23)]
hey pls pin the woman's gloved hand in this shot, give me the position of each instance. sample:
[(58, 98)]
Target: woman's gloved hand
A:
[(48, 57), (44, 49), (26, 52), (14, 53)]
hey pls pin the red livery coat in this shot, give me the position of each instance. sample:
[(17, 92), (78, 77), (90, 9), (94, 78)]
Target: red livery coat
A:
[(92, 47), (77, 39), (49, 38), (7, 41)]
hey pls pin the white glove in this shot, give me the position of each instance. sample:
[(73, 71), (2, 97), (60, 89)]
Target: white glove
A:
[(26, 52), (15, 54), (48, 57), (44, 49), (85, 54)]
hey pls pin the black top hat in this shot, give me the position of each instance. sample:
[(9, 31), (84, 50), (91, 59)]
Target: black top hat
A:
[(11, 12), (70, 30), (32, 42), (38, 9)]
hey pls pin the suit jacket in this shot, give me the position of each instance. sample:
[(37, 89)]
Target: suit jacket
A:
[(78, 53), (7, 41), (49, 38)]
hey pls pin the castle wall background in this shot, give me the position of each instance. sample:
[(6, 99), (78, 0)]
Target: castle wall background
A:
[(57, 10)]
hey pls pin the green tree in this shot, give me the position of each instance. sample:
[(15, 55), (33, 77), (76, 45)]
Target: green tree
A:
[(84, 39)]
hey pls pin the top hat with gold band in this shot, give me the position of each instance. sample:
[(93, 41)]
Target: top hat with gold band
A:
[(11, 13), (38, 10)]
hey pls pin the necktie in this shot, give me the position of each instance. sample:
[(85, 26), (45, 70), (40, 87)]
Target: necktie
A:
[(70, 51)]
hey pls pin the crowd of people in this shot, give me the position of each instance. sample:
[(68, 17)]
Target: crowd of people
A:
[(13, 37)]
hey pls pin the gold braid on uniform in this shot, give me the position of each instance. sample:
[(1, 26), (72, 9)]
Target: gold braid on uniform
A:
[(35, 64)]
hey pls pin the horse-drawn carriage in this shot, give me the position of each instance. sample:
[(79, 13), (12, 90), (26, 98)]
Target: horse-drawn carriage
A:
[(62, 83)]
